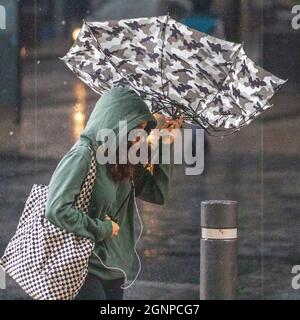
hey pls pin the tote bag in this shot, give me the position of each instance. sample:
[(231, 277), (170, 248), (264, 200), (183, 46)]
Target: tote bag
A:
[(47, 262)]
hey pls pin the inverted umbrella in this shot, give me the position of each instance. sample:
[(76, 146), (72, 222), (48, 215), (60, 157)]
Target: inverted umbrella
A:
[(175, 69)]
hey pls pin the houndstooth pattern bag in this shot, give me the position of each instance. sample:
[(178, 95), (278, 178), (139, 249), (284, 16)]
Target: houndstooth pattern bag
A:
[(47, 262)]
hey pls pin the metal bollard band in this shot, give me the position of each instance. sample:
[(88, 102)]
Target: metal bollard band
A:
[(219, 234)]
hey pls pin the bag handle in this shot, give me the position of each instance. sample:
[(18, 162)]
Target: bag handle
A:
[(82, 201)]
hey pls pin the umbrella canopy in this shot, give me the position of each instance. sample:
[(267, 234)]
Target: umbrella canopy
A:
[(175, 69)]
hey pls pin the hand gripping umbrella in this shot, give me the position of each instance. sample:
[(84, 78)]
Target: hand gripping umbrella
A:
[(175, 69)]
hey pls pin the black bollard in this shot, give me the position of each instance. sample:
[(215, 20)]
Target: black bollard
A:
[(218, 250)]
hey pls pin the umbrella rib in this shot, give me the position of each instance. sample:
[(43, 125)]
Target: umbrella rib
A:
[(220, 88), (191, 111), (235, 103), (162, 53), (193, 115)]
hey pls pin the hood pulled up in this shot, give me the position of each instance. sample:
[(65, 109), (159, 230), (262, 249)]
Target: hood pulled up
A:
[(117, 104)]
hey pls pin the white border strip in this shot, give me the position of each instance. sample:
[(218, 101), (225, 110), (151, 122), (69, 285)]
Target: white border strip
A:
[(208, 233), (2, 279)]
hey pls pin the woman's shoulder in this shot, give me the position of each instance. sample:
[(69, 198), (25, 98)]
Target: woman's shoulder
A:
[(81, 150)]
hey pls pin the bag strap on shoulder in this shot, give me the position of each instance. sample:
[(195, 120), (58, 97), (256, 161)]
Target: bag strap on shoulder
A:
[(88, 185), (82, 201)]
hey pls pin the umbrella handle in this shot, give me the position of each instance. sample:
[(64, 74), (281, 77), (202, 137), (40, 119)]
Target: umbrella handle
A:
[(174, 117)]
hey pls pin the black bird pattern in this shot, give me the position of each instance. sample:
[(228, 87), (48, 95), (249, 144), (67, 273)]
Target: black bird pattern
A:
[(109, 53), (275, 85), (197, 57), (223, 64), (135, 76), (236, 92), (224, 86), (96, 30), (152, 72), (193, 45), (82, 64), (217, 100), (146, 39), (135, 25), (79, 53), (181, 88), (115, 31), (258, 107), (216, 47), (86, 34), (203, 89), (256, 83), (258, 95), (88, 46), (138, 50), (96, 75), (182, 70), (224, 112), (175, 33), (101, 62), (244, 69), (161, 25), (173, 56), (153, 56)]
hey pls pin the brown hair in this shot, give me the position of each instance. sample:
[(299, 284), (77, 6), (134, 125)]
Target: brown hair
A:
[(120, 171)]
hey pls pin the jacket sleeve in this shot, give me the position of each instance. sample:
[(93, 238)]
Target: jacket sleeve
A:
[(64, 185), (153, 187)]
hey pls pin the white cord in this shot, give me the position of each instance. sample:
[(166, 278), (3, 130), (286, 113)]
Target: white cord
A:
[(138, 239)]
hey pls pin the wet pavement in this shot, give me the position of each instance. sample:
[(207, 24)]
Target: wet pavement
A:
[(258, 167)]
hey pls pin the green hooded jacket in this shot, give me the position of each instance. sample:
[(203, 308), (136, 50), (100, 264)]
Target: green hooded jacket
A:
[(114, 105)]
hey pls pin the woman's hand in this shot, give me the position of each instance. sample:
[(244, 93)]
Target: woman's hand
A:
[(164, 122), (174, 123), (115, 227)]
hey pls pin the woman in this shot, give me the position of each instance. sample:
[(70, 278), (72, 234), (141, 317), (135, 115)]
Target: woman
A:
[(114, 242)]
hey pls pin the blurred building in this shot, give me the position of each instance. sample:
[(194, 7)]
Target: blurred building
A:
[(53, 18), (281, 43), (9, 78)]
